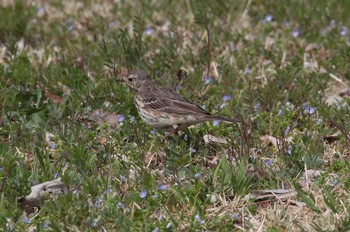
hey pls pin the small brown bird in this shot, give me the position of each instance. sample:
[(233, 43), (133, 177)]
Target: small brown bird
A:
[(163, 108)]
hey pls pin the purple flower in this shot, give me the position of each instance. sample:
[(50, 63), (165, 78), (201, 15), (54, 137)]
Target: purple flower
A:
[(198, 219), (308, 109), (226, 97), (120, 205), (216, 122), (25, 220), (112, 24), (286, 131), (121, 117), (335, 182), (198, 174), (319, 121), (123, 178), (289, 151), (178, 87), (155, 196), (155, 229), (343, 31), (94, 223), (40, 11), (148, 31), (153, 132), (162, 187), (279, 113), (107, 191), (132, 119), (234, 216), (268, 162), (168, 226), (143, 194), (55, 175), (207, 80), (295, 32), (333, 23), (185, 137), (246, 71), (192, 150), (98, 202), (267, 18)]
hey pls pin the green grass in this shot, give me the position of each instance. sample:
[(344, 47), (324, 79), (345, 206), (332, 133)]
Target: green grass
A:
[(59, 62)]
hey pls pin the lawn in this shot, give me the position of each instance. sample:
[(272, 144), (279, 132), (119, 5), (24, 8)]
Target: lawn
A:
[(281, 68)]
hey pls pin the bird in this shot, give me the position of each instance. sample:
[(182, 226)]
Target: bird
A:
[(165, 109)]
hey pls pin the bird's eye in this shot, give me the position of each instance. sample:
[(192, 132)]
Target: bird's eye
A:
[(130, 79)]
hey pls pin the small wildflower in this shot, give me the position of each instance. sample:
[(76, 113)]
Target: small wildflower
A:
[(120, 205), (335, 182), (1, 169), (286, 131), (98, 202), (40, 11), (148, 31), (153, 132), (192, 150), (267, 18), (143, 194), (308, 109), (216, 122), (343, 31), (94, 223), (89, 125), (198, 219), (161, 217), (55, 175), (279, 113), (207, 80), (121, 119), (226, 97), (198, 174), (256, 106), (132, 119), (333, 23), (112, 25), (185, 137), (178, 87), (155, 229), (246, 71), (162, 187), (46, 225), (289, 151), (268, 162), (155, 196), (295, 32), (25, 220), (290, 105), (234, 216), (319, 121), (203, 107), (107, 191), (168, 226), (123, 178)]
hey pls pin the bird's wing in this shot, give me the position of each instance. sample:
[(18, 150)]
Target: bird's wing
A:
[(173, 106)]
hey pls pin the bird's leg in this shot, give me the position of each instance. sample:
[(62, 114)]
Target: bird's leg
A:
[(175, 130)]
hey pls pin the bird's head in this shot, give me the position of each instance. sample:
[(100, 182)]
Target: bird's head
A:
[(136, 79)]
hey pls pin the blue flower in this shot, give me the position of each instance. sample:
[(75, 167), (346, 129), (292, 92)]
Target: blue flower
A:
[(153, 132), (279, 113), (121, 117), (123, 178), (319, 121), (186, 137), (198, 174), (308, 109), (267, 18), (295, 32), (246, 71), (162, 187), (25, 220), (155, 229), (207, 80), (333, 23), (55, 175), (286, 131), (198, 219), (234, 216), (335, 182), (343, 31), (98, 202), (216, 122), (178, 87), (168, 226), (132, 119), (148, 31), (226, 97), (289, 151), (268, 162), (143, 194), (192, 150), (120, 205)]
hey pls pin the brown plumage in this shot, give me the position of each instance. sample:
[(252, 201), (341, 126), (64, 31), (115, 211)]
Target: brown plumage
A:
[(163, 108)]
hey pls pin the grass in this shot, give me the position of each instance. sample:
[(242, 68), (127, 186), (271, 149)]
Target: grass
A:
[(274, 66)]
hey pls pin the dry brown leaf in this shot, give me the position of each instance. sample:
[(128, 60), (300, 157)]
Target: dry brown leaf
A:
[(213, 139)]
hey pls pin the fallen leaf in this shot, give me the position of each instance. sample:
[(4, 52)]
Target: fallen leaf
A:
[(213, 139)]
